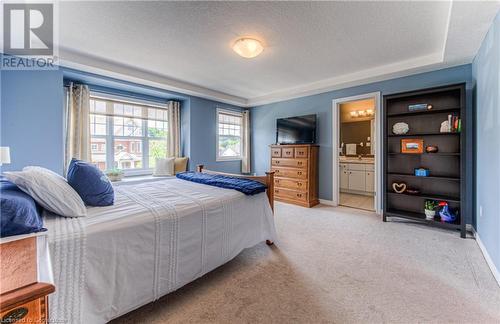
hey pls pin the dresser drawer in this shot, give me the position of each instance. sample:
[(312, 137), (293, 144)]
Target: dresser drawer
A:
[(297, 163), (289, 173), (301, 152), (299, 185), (276, 152), (287, 152), (31, 312), (290, 194)]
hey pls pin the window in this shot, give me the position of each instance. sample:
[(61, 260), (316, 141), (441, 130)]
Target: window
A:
[(128, 136), (229, 135)]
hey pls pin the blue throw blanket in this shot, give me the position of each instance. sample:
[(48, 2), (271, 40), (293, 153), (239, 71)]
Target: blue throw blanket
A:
[(246, 186)]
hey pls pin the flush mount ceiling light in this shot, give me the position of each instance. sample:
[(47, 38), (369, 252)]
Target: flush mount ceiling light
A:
[(248, 47)]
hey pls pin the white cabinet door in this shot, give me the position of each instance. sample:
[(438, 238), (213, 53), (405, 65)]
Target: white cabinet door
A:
[(369, 181), (357, 180), (344, 178)]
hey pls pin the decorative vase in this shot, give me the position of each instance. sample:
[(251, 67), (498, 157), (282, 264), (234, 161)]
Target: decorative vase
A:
[(429, 214)]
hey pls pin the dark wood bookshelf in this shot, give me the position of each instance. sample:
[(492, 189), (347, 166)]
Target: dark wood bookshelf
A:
[(428, 154), (419, 217), (427, 112), (423, 178), (428, 196), (450, 176), (423, 134)]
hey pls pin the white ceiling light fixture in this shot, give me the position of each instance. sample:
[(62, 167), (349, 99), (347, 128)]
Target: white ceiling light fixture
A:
[(248, 47)]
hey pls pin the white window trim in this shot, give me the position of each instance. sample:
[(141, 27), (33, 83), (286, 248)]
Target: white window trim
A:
[(144, 138), (227, 158)]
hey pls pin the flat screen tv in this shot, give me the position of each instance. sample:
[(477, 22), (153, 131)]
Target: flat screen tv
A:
[(296, 130)]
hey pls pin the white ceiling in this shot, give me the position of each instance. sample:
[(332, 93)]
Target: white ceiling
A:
[(310, 47)]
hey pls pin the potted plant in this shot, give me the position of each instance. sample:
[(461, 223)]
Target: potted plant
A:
[(114, 174), (430, 209)]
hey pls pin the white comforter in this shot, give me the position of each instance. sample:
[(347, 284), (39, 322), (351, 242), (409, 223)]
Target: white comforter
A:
[(156, 238)]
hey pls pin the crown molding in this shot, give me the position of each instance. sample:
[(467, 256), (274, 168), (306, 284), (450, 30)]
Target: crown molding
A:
[(89, 64), (380, 73)]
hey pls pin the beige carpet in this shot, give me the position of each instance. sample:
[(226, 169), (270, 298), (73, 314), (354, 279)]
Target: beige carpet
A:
[(339, 265)]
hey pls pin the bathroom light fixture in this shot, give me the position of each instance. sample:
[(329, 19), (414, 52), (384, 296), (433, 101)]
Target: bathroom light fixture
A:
[(362, 113), (248, 47)]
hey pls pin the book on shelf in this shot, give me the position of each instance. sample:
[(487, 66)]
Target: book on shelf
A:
[(454, 124)]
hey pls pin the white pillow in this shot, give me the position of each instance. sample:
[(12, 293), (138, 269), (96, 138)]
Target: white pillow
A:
[(164, 167), (50, 190)]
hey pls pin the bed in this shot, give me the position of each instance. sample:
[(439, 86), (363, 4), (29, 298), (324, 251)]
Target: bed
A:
[(157, 237)]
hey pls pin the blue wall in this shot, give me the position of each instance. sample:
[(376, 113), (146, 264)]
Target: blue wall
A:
[(203, 139), (486, 75), (264, 117), (31, 116)]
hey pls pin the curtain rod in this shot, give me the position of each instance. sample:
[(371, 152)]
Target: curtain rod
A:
[(117, 93)]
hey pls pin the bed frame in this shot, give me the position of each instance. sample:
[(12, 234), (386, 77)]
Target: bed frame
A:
[(267, 180)]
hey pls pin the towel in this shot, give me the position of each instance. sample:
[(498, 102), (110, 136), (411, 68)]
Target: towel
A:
[(350, 149)]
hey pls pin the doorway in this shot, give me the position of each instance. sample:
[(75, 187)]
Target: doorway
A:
[(356, 152)]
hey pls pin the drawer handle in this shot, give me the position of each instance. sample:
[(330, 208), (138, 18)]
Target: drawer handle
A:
[(15, 315), (299, 195), (277, 162), (299, 184), (299, 173), (299, 163)]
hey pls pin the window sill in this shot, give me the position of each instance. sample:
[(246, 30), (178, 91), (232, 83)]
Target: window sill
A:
[(228, 159), (140, 179)]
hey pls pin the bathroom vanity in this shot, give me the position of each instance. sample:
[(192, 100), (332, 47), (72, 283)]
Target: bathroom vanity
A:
[(357, 175)]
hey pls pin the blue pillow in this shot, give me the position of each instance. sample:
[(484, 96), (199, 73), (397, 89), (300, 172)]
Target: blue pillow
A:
[(20, 214), (90, 183)]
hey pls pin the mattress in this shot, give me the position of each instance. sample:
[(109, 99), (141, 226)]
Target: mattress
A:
[(157, 237)]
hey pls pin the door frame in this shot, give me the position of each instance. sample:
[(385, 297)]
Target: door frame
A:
[(378, 146)]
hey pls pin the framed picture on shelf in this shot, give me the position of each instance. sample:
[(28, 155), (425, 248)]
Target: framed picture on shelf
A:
[(412, 146)]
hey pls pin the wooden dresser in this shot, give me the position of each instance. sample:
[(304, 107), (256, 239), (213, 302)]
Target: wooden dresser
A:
[(296, 173), (22, 298)]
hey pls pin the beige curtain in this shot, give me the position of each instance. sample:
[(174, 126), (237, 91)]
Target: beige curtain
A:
[(77, 126), (174, 129), (245, 162)]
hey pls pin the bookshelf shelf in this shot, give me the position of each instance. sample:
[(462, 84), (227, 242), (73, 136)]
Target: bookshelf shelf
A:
[(426, 112)]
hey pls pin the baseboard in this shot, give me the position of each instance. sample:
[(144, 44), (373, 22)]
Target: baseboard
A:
[(356, 192), (487, 257), (326, 202)]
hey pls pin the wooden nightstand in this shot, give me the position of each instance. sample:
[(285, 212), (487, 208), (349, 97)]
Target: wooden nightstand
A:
[(23, 298)]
